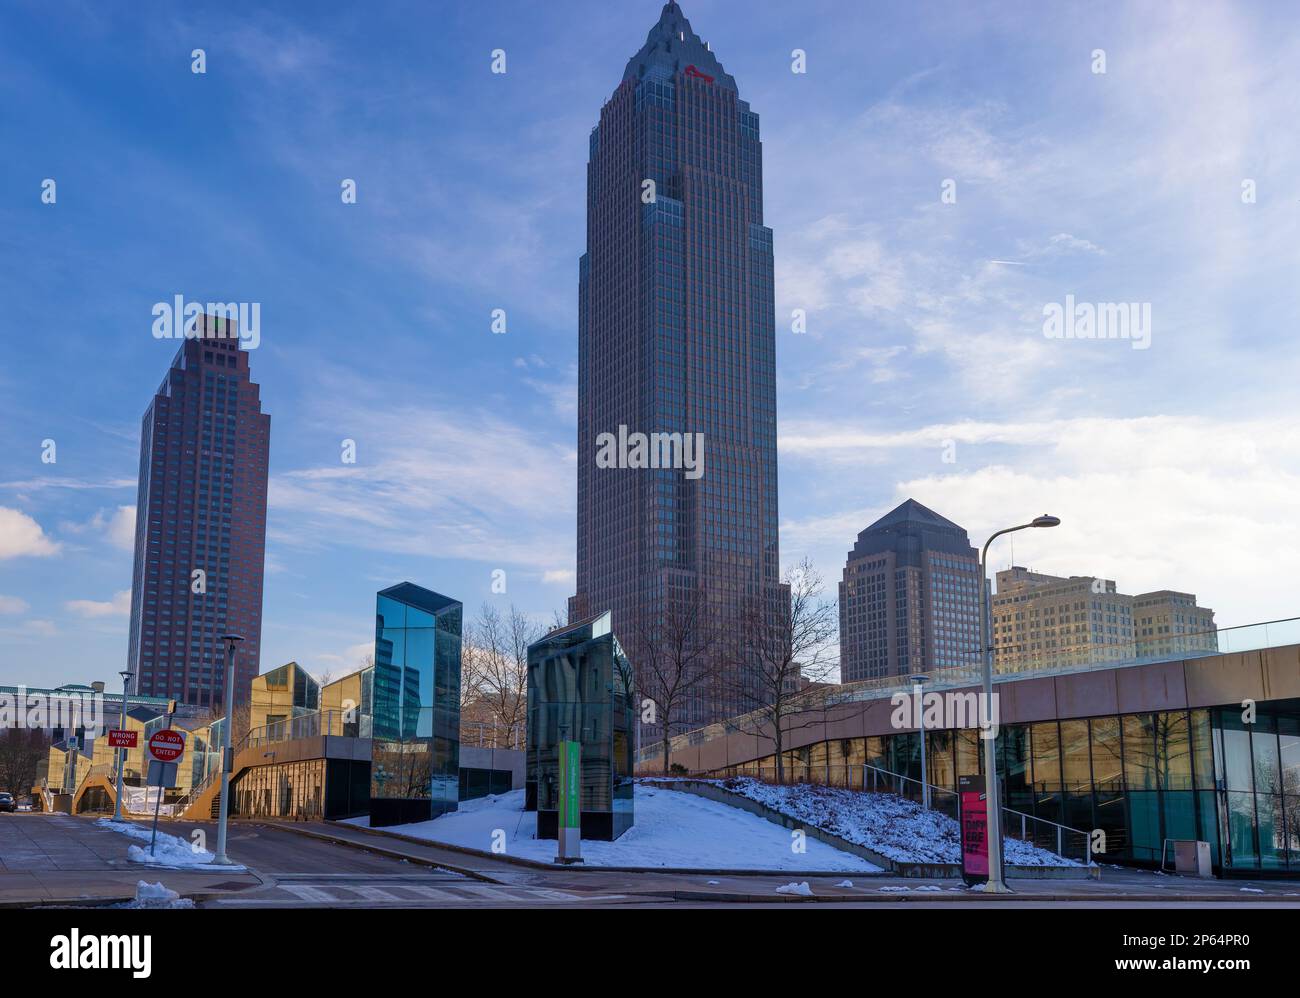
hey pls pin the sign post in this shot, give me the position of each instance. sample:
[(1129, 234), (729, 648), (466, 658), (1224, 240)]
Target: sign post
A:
[(165, 749), (974, 830), (569, 832)]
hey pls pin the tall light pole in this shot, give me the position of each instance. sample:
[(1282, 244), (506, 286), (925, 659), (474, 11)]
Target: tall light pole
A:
[(992, 794), (228, 749), (121, 752), (918, 692)]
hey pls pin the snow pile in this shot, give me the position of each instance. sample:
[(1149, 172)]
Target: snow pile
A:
[(801, 889), (884, 823), (169, 851), (149, 895), (670, 830)]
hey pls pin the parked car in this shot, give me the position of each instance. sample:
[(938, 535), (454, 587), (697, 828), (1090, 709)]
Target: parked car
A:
[(7, 802)]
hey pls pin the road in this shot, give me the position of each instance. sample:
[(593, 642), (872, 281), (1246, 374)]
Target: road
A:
[(46, 858), (301, 872)]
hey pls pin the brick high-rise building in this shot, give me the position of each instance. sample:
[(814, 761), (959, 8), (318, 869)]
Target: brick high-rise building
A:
[(1046, 621), (909, 598), (200, 508), (676, 335), (1166, 622)]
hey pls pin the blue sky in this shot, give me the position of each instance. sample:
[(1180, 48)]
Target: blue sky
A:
[(924, 371)]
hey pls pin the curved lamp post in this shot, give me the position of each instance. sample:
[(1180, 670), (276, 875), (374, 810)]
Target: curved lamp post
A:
[(992, 792)]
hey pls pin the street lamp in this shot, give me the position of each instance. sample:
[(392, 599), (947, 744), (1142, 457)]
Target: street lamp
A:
[(992, 795), (121, 752), (917, 683), (228, 749)]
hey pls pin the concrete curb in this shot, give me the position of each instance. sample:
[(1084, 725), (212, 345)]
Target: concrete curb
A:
[(963, 897), (533, 864), (198, 897)]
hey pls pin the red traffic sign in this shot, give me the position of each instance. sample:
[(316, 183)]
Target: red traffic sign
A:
[(117, 738), (166, 746)]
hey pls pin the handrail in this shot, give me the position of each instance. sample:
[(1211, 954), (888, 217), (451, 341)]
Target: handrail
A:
[(1060, 828)]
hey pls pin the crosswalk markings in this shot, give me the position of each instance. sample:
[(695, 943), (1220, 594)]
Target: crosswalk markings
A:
[(306, 893), (339, 895)]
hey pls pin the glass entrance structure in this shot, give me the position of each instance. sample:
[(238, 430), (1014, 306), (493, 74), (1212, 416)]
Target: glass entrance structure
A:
[(415, 750), (580, 688), (1207, 774)]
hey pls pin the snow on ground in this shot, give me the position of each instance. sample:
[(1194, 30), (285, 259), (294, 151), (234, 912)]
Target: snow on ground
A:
[(671, 829), (886, 824), (170, 852), (149, 895)]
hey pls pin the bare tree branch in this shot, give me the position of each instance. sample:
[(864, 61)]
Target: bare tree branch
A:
[(786, 647)]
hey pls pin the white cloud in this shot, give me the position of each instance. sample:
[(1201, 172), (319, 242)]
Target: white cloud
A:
[(12, 604), (20, 536), (1161, 502), (336, 665), (118, 606), (564, 576), (465, 484), (117, 526), (120, 528)]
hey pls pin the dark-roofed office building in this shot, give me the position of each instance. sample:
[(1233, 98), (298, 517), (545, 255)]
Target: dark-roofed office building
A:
[(200, 508), (676, 336), (909, 599)]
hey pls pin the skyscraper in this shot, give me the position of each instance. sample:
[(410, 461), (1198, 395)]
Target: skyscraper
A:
[(200, 532), (909, 599), (676, 335)]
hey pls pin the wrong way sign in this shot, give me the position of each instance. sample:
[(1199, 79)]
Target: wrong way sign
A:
[(167, 745)]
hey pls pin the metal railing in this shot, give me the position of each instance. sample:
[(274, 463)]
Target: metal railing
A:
[(1038, 831), (341, 723)]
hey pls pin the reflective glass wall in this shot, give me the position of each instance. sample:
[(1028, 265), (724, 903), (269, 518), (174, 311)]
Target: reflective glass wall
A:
[(1210, 774), (580, 688), (415, 691)]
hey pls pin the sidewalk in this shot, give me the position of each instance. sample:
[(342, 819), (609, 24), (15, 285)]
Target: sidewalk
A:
[(55, 859)]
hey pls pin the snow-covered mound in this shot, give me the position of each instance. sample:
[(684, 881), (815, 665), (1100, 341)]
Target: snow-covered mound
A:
[(149, 895), (168, 851), (670, 830), (889, 825)]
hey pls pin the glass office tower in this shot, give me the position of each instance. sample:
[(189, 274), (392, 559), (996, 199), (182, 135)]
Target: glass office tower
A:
[(201, 505), (677, 335), (580, 688), (415, 751)]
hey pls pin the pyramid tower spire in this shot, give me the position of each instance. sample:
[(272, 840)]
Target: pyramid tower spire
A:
[(673, 47)]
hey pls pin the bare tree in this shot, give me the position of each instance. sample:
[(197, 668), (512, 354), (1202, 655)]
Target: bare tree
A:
[(674, 653), (22, 753), (785, 646), (500, 665)]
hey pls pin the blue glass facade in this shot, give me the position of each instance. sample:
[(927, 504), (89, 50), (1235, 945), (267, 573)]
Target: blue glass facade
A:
[(415, 750)]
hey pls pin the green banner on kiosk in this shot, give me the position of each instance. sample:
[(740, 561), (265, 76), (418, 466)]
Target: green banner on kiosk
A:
[(570, 784)]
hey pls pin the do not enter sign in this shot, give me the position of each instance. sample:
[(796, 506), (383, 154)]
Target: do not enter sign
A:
[(166, 745)]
